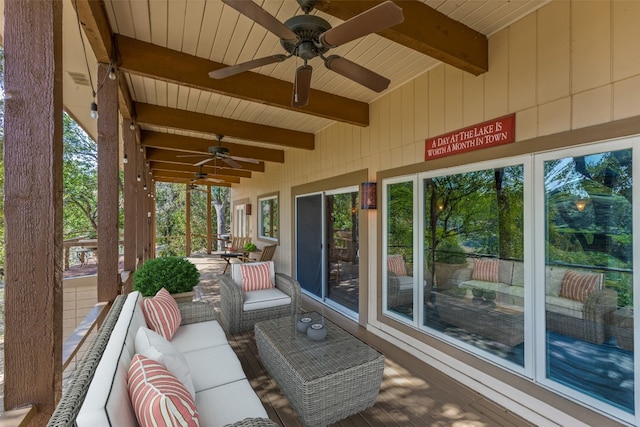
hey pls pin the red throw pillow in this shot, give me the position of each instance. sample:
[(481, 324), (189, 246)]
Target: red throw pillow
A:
[(162, 314), (485, 270), (255, 277), (578, 286), (395, 264), (159, 399)]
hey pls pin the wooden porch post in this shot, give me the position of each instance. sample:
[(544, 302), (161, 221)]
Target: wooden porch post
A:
[(108, 180), (141, 215), (152, 226), (188, 221), (33, 205), (209, 224), (130, 195)]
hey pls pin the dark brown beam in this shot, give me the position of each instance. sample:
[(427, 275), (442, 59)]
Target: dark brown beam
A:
[(425, 30), (149, 60), (188, 144), (168, 156), (191, 177), (207, 123), (160, 166)]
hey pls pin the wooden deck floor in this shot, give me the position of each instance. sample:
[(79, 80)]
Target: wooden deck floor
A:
[(412, 392)]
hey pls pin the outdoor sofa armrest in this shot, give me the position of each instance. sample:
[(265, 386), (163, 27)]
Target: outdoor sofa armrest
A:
[(291, 287), (600, 305), (195, 312), (67, 409), (231, 302)]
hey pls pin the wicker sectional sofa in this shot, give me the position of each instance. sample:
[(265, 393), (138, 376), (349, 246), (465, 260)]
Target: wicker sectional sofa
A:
[(98, 394), (587, 320)]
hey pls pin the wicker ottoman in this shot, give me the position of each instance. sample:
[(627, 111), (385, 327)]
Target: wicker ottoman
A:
[(325, 381), (623, 327)]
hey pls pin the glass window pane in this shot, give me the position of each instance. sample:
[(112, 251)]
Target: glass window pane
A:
[(400, 226), (588, 275), (473, 259)]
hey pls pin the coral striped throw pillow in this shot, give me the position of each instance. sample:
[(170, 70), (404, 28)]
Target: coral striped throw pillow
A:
[(485, 270), (395, 264), (578, 286), (158, 398), (162, 314), (255, 277)]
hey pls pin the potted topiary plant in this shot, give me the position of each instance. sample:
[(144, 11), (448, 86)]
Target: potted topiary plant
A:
[(450, 265), (177, 275)]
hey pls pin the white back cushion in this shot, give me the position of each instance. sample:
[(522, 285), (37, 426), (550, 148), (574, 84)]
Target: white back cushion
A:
[(236, 273)]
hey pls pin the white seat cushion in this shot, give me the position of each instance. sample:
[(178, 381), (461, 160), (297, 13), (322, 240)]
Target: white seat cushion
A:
[(266, 298), (195, 336), (228, 403), (214, 366), (566, 306), (406, 282)]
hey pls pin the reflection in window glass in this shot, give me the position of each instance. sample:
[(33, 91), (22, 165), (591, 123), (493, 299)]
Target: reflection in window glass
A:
[(399, 227), (473, 259), (268, 217), (588, 275)]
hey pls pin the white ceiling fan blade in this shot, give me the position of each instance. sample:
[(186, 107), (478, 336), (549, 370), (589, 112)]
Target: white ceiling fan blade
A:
[(200, 163), (245, 159)]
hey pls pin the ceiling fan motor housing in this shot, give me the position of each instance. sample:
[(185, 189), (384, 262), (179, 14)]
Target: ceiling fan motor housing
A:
[(217, 149), (308, 28)]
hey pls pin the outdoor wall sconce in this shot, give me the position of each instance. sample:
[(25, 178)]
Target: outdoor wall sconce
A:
[(581, 204), (247, 209), (368, 195)]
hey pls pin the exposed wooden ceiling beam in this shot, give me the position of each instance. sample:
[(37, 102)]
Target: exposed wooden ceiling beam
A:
[(169, 156), (188, 144), (146, 59), (190, 176), (207, 123), (96, 27), (162, 166), (425, 30)]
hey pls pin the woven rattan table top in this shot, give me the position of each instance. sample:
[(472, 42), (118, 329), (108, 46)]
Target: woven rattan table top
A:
[(315, 359)]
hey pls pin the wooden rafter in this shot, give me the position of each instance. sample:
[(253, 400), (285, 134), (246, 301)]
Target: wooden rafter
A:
[(188, 144), (146, 59), (207, 123), (425, 30), (190, 176), (161, 178)]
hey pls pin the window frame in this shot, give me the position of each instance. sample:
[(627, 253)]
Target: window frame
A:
[(275, 215)]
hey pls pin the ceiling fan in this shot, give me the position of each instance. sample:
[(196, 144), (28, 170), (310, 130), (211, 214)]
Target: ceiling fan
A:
[(222, 153), (309, 36), (203, 176)]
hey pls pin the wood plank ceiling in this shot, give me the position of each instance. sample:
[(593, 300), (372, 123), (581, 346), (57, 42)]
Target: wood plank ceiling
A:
[(164, 50)]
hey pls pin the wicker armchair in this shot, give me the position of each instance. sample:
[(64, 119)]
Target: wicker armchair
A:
[(233, 316)]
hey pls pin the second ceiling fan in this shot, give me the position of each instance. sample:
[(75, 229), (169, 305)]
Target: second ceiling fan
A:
[(309, 36)]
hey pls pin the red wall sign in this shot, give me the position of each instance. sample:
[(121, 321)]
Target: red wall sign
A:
[(488, 134)]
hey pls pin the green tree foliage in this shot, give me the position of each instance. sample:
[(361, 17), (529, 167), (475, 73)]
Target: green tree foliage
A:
[(170, 219), (80, 187)]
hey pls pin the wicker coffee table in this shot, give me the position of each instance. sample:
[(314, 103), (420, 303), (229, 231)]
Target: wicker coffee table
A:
[(325, 381)]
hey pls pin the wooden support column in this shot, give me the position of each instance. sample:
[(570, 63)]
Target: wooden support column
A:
[(108, 185), (152, 228), (141, 213), (188, 221), (209, 224), (130, 195), (33, 205)]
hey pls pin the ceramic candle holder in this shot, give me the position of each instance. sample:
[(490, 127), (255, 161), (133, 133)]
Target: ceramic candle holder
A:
[(302, 324), (317, 332)]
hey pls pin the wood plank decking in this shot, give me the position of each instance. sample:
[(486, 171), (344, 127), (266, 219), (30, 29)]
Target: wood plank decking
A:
[(412, 392)]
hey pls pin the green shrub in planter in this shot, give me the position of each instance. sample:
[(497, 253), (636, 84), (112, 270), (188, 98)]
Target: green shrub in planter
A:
[(175, 274)]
